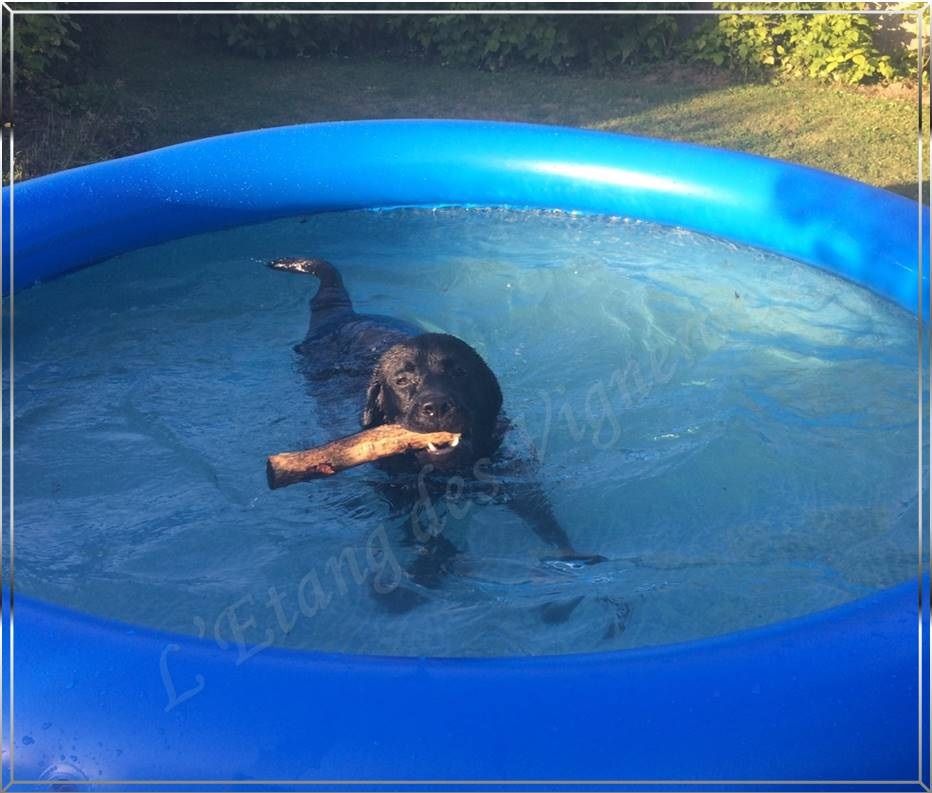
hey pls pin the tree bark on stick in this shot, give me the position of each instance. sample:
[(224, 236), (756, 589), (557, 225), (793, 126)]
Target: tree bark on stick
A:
[(367, 446)]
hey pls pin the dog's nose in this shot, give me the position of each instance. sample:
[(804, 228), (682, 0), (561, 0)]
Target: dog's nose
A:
[(437, 408)]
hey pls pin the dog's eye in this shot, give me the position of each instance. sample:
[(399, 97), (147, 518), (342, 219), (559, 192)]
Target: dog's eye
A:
[(402, 380), (451, 368)]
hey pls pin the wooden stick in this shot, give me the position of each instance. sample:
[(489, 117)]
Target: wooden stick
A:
[(367, 446)]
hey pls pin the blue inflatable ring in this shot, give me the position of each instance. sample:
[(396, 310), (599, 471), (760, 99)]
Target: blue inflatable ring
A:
[(830, 697)]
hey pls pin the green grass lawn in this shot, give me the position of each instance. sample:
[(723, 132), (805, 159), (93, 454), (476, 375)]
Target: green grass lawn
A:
[(151, 88)]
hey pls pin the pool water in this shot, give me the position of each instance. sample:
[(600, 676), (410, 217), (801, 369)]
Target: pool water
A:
[(736, 433)]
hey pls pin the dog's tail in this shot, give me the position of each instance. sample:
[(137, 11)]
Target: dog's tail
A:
[(332, 293)]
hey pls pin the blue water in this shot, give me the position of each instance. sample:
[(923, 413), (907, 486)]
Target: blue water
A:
[(735, 431)]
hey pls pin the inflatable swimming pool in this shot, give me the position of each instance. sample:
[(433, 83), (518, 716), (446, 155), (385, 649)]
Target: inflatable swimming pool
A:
[(836, 696)]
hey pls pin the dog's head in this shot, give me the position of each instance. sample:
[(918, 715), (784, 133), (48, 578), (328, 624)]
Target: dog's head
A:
[(433, 383)]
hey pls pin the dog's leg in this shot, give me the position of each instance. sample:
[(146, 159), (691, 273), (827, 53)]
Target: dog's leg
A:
[(530, 502), (433, 562), (434, 555)]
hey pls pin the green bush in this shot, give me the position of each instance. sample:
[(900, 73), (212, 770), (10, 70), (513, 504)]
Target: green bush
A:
[(494, 41), (488, 41), (43, 45), (822, 46), (906, 60), (279, 35)]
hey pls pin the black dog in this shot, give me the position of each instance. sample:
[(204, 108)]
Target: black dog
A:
[(426, 382), (435, 382)]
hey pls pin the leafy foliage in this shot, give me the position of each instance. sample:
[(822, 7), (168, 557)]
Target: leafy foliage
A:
[(836, 47), (43, 45), (278, 35), (496, 41), (906, 59), (488, 41)]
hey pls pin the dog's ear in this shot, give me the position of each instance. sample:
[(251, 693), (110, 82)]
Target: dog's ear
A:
[(489, 409), (495, 392), (489, 388), (373, 413)]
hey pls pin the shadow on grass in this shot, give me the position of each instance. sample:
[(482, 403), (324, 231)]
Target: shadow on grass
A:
[(910, 190)]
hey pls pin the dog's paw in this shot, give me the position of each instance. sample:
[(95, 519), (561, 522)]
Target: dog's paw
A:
[(569, 562)]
